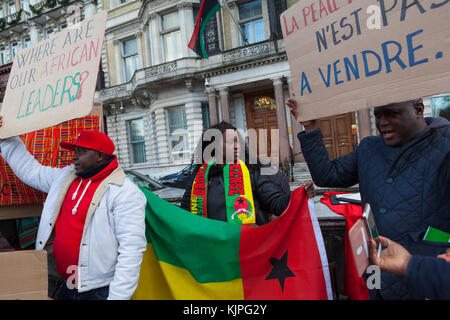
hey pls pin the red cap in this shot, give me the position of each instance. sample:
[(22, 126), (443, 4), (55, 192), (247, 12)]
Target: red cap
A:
[(94, 140)]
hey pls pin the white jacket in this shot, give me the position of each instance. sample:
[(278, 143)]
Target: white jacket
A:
[(113, 240)]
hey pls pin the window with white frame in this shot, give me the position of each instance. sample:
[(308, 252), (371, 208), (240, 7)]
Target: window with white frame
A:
[(171, 35), (49, 32), (178, 133), (3, 55), (25, 5), (251, 21), (14, 48), (11, 7), (129, 58), (136, 136), (26, 42), (116, 3)]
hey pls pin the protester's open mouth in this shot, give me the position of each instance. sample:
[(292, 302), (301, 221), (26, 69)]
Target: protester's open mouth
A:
[(388, 134)]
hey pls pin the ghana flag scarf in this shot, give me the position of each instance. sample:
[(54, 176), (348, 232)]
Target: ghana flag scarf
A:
[(238, 192), (208, 9), (190, 257)]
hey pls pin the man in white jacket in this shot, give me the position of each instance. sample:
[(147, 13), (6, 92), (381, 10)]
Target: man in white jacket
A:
[(96, 214)]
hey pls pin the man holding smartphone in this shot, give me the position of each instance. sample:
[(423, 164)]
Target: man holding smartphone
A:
[(425, 277), (403, 174)]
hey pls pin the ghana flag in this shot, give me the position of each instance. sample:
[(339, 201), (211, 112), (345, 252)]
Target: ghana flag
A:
[(208, 9), (190, 257)]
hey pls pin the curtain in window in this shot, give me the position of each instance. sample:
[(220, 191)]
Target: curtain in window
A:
[(130, 58)]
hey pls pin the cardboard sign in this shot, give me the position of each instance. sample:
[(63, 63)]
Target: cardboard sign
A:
[(23, 275), (348, 55), (54, 80)]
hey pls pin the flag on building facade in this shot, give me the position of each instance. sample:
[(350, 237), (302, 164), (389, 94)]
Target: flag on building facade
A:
[(190, 257), (208, 9)]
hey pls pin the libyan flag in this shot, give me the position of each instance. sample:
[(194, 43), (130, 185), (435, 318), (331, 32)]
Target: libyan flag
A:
[(190, 257), (208, 9)]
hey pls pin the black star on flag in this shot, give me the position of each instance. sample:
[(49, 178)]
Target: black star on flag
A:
[(280, 270)]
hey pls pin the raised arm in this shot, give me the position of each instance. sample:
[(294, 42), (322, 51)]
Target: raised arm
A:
[(341, 172)]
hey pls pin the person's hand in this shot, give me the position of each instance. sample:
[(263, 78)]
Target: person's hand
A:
[(310, 191), (394, 259), (1, 120), (292, 104)]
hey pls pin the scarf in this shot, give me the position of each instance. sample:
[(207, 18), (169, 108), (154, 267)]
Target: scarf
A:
[(238, 192)]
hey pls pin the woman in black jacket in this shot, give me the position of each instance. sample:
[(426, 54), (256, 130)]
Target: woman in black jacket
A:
[(218, 189)]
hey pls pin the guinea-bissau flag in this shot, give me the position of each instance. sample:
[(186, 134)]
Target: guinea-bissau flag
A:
[(208, 9), (191, 257)]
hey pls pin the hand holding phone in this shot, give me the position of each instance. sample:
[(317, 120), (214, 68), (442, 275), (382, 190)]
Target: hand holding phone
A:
[(360, 235)]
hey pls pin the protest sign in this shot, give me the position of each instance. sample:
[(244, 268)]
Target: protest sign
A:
[(348, 55), (54, 80)]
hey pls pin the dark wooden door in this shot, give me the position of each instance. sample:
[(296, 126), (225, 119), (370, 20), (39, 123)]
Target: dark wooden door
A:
[(337, 134), (261, 110)]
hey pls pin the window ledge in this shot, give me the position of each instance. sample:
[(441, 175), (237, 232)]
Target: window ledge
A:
[(121, 5)]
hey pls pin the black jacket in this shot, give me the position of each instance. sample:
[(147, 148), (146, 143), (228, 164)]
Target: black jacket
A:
[(407, 187), (271, 194), (428, 277)]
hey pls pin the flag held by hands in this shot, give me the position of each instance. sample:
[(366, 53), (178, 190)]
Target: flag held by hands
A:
[(192, 257)]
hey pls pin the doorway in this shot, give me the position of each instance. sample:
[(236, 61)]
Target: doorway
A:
[(339, 135), (261, 110)]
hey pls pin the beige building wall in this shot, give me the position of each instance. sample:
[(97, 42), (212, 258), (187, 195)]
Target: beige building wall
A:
[(121, 9), (290, 3), (119, 15)]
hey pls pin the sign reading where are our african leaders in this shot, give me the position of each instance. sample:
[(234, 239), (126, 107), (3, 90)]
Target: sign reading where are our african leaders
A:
[(54, 80), (349, 55)]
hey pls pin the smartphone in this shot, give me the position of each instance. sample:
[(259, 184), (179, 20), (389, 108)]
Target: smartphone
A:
[(371, 226), (359, 237), (370, 221)]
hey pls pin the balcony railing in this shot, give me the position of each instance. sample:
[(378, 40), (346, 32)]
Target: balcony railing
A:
[(41, 7), (13, 19), (38, 7), (193, 66)]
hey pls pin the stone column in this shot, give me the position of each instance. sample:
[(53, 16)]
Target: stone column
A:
[(213, 115), (90, 8), (147, 45), (296, 128), (235, 33), (225, 103), (34, 35), (138, 36), (364, 126), (162, 136), (120, 75), (155, 39), (281, 120), (186, 16)]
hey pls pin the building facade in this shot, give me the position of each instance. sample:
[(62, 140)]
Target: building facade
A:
[(158, 95)]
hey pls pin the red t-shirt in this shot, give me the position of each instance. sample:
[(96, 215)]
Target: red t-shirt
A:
[(69, 227)]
